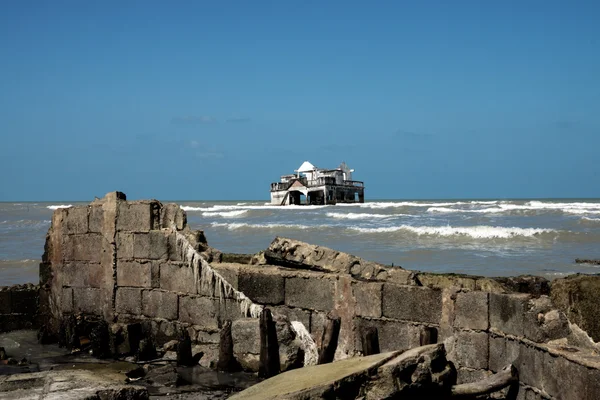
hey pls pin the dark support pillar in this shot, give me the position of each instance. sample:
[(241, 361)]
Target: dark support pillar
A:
[(184, 349), (227, 361), (269, 348), (370, 341), (329, 339)]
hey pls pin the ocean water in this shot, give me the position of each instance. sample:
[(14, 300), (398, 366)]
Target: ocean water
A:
[(481, 237)]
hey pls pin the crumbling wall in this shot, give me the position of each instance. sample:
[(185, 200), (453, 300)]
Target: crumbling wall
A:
[(138, 262), (483, 323), (135, 262), (18, 307)]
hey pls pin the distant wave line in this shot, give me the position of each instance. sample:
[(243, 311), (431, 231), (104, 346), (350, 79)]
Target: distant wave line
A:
[(234, 213), (361, 215), (56, 207), (475, 232)]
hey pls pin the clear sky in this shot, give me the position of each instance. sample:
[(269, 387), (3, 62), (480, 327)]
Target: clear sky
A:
[(216, 99)]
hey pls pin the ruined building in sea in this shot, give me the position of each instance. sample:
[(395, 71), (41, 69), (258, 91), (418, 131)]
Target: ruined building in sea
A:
[(312, 185)]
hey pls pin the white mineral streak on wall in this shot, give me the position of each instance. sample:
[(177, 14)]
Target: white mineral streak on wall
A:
[(311, 355), (209, 280)]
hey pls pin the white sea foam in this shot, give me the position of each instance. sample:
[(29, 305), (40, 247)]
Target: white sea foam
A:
[(225, 214), (56, 207), (590, 219), (359, 215), (569, 208), (446, 210), (476, 232), (389, 204), (217, 208), (240, 225)]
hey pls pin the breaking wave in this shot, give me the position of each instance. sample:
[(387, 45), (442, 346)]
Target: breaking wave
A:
[(475, 232), (218, 208), (447, 210), (241, 225), (360, 216), (225, 214), (390, 204), (56, 207)]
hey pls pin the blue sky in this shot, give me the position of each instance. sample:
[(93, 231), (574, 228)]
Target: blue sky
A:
[(214, 100)]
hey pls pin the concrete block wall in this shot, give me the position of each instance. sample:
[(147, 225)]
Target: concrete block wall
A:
[(18, 307), (483, 331), (120, 260), (123, 261), (492, 330)]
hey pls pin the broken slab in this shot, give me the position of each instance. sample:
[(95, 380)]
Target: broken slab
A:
[(315, 381), (293, 253), (70, 384)]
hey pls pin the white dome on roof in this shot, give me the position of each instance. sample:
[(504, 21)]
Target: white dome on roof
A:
[(306, 167)]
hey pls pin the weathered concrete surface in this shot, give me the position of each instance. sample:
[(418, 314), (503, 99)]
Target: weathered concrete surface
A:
[(69, 384), (296, 254), (578, 296), (246, 343), (419, 373), (534, 285), (315, 381)]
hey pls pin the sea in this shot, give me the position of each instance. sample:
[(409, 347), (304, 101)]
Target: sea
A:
[(479, 237)]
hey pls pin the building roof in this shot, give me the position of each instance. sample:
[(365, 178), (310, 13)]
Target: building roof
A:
[(305, 167)]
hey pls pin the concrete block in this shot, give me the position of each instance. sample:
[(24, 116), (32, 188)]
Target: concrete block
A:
[(412, 303), (467, 375), (543, 327), (229, 272), (77, 220), (471, 350), (592, 383), (228, 309), (198, 311), (550, 374), (85, 274), (293, 314), (159, 304), (393, 335), (95, 219), (155, 274), (129, 301), (507, 312), (311, 293), (502, 352), (317, 324), (124, 246), (471, 311), (263, 288), (246, 336), (134, 273), (174, 249), (152, 245), (448, 313), (66, 300), (86, 247), (134, 217), (172, 215), (368, 298), (91, 300), (177, 277), (207, 337)]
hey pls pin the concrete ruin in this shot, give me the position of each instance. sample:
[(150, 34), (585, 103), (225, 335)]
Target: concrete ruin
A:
[(138, 264), (317, 186)]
